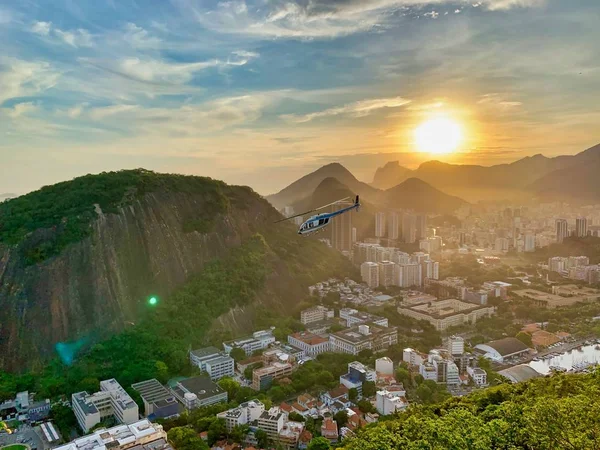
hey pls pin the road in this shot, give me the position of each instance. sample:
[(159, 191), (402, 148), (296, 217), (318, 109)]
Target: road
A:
[(24, 435)]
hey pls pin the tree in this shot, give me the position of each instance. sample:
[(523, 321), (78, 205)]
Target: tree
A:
[(424, 393), (366, 407), (238, 354), (403, 376), (525, 338), (295, 417), (230, 385), (64, 419), (419, 379), (353, 395), (319, 443), (162, 371), (261, 438), (184, 438), (369, 389), (341, 417), (239, 432), (216, 431)]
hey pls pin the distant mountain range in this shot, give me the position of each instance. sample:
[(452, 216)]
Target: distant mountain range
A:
[(420, 196), (305, 186), (568, 177)]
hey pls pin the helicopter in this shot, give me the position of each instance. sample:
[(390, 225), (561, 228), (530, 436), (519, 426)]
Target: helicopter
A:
[(317, 223)]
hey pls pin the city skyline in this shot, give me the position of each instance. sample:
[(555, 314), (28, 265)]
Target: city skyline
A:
[(260, 94)]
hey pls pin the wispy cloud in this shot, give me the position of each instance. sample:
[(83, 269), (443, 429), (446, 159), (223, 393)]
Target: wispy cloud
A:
[(21, 109), (319, 18), (75, 38), (357, 109), (498, 101), (20, 78), (138, 37)]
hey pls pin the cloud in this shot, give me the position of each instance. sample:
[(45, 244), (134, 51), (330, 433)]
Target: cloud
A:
[(20, 78), (41, 28), (318, 18), (21, 109), (138, 37), (166, 72), (100, 113), (357, 109), (498, 101), (75, 38)]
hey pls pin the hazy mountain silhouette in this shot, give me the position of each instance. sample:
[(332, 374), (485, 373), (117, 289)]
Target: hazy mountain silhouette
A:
[(577, 184), (420, 196), (390, 175), (306, 185)]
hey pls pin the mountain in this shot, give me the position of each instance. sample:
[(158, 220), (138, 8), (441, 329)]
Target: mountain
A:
[(330, 190), (79, 259), (500, 181), (390, 175), (422, 197), (305, 186), (576, 184)]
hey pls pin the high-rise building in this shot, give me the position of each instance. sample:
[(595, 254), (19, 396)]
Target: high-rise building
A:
[(581, 227), (421, 227), (369, 272), (430, 269), (386, 273), (408, 275), (394, 219), (409, 228), (562, 230), (456, 345), (529, 242), (341, 228), (380, 224)]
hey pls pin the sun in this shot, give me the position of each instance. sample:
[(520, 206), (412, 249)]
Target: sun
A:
[(439, 136)]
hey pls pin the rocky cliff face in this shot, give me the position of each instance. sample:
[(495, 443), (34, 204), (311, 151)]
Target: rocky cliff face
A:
[(96, 286)]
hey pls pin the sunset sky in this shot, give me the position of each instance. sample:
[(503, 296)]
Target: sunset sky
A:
[(260, 92)]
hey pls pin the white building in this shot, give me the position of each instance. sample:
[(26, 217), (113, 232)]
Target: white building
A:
[(380, 224), (501, 245), (111, 400), (141, 435), (412, 357), (244, 414), (210, 360), (355, 317), (312, 344), (357, 374), (394, 225), (272, 422), (390, 402), (369, 272), (428, 371), (430, 269), (259, 341), (355, 339), (197, 392), (316, 314), (562, 230), (478, 375), (581, 227), (408, 275), (456, 345), (384, 366), (386, 273), (529, 242)]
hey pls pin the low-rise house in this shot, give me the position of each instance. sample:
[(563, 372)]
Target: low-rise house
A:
[(329, 430)]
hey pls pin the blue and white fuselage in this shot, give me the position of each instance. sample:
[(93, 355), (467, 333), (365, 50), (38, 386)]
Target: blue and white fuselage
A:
[(320, 221)]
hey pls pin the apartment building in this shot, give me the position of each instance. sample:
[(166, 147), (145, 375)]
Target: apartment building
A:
[(316, 314), (258, 341), (354, 317), (140, 435), (111, 400), (362, 337), (272, 422), (312, 344), (263, 378), (214, 362), (247, 413), (197, 392), (369, 272), (444, 314)]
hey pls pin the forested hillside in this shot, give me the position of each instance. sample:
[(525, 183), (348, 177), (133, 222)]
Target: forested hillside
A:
[(560, 412)]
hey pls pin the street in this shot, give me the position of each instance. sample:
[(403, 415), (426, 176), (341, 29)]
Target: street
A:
[(24, 435)]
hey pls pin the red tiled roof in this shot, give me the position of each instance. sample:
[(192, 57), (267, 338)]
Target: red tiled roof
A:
[(286, 407), (298, 407), (338, 391), (305, 436)]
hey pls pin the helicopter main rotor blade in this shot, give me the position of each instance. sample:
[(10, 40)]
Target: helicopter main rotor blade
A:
[(312, 210)]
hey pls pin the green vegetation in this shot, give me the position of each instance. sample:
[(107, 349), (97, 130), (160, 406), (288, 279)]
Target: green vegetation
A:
[(66, 210), (572, 246), (15, 447), (560, 412)]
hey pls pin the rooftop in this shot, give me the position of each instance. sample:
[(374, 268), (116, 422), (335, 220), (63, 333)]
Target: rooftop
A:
[(203, 387), (309, 338), (354, 336), (152, 391), (519, 373), (204, 352), (445, 308), (507, 346)]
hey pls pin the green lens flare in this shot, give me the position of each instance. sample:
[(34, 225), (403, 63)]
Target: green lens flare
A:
[(153, 301)]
